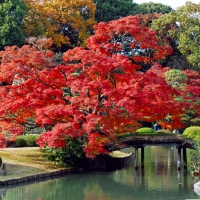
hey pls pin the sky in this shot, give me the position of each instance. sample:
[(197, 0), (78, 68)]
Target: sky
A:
[(172, 3)]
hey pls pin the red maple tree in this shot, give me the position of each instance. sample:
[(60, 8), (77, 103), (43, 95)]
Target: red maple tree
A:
[(95, 94)]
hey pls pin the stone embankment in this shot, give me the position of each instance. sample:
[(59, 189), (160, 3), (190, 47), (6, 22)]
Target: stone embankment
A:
[(36, 177)]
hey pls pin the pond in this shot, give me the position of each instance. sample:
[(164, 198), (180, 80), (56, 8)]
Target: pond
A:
[(159, 180)]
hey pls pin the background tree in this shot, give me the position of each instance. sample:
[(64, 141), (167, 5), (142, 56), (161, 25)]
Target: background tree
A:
[(111, 10), (182, 28), (11, 18), (188, 84), (151, 8), (176, 59), (68, 23)]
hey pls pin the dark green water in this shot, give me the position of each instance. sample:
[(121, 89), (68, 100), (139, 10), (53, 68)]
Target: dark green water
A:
[(159, 180)]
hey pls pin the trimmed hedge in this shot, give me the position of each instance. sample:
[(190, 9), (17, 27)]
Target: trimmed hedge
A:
[(192, 132), (195, 122), (145, 130), (26, 141)]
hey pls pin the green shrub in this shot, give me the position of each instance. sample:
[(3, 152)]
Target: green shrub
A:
[(164, 131), (128, 134), (31, 140), (145, 130), (71, 155), (26, 141), (195, 122), (20, 142), (0, 161), (192, 132), (195, 158), (185, 121)]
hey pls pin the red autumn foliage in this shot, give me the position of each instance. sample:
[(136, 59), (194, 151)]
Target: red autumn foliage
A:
[(97, 93)]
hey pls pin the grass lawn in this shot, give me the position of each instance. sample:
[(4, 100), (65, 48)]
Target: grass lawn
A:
[(25, 161)]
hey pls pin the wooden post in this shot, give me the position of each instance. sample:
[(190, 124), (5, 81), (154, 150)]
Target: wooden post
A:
[(184, 157), (142, 157), (4, 166), (143, 177), (179, 158), (136, 175), (136, 158)]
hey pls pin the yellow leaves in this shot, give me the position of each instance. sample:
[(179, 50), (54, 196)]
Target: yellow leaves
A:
[(53, 18)]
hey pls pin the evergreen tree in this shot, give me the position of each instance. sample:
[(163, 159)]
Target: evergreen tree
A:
[(113, 9), (11, 17), (150, 8)]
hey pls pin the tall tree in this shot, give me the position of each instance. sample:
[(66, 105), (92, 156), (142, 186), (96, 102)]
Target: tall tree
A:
[(150, 8), (176, 59), (68, 23), (11, 18), (182, 27), (97, 94), (111, 10)]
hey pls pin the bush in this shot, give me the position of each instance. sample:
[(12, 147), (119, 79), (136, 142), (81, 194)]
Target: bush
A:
[(145, 130), (185, 121), (26, 141), (192, 132), (71, 155), (20, 142), (195, 158), (195, 122), (165, 131)]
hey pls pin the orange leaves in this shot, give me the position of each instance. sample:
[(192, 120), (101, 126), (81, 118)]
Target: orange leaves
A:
[(66, 22)]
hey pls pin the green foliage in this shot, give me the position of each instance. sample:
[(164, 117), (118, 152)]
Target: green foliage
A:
[(192, 132), (150, 8), (11, 17), (26, 141), (195, 159), (110, 10), (165, 131), (185, 121), (0, 161), (145, 130), (195, 122), (175, 77), (71, 155), (183, 27), (20, 142), (128, 134)]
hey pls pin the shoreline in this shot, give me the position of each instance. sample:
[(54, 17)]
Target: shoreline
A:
[(35, 177), (26, 164), (18, 172)]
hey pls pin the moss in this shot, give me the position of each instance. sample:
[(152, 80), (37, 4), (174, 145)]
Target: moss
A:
[(145, 130)]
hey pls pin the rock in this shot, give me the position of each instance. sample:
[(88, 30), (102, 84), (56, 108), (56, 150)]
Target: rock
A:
[(2, 172), (197, 188)]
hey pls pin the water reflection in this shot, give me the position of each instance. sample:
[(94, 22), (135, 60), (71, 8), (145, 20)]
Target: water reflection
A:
[(158, 180)]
